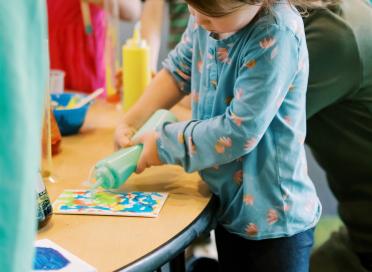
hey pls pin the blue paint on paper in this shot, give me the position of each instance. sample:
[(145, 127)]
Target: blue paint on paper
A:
[(49, 259), (111, 202)]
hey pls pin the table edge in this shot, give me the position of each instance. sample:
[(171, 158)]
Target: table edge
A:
[(173, 247)]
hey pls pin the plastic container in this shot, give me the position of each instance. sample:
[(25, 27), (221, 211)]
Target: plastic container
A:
[(50, 140), (44, 207), (136, 68), (69, 120), (113, 171), (46, 140), (56, 81)]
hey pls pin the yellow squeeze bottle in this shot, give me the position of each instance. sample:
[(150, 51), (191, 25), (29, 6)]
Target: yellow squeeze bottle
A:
[(136, 68)]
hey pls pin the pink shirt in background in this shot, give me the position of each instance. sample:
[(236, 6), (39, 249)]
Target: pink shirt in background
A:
[(80, 55)]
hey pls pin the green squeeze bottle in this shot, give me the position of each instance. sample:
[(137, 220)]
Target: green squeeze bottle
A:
[(113, 171)]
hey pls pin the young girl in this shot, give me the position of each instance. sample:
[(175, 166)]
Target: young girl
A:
[(245, 64)]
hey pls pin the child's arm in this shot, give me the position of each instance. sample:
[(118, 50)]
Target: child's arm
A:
[(151, 24), (129, 10), (164, 91), (262, 85)]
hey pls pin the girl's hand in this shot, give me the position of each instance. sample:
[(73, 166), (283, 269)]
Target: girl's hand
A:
[(149, 156), (123, 135)]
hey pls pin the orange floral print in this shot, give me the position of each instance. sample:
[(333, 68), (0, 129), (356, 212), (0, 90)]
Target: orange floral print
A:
[(237, 120), (251, 229), (222, 143), (200, 66), (251, 64), (238, 176), (272, 216), (248, 200), (250, 143), (267, 42)]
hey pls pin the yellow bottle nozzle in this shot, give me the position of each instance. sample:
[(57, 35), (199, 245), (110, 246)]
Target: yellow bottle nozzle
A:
[(137, 33), (136, 40)]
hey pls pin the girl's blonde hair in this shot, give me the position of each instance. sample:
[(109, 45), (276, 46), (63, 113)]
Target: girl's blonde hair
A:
[(218, 8)]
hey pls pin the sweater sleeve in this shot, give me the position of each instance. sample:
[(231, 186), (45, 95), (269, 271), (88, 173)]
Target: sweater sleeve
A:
[(179, 60)]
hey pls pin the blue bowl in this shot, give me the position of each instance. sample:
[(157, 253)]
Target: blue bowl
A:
[(69, 120)]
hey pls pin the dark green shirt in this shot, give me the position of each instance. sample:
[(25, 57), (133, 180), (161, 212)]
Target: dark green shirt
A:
[(178, 19), (339, 107)]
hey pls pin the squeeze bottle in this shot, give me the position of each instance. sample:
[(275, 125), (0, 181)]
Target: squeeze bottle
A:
[(44, 207), (113, 171), (136, 68)]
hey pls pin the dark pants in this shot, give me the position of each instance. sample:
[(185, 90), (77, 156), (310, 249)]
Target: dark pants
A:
[(288, 254)]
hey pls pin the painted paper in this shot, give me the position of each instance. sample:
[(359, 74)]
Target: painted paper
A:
[(105, 202), (51, 257)]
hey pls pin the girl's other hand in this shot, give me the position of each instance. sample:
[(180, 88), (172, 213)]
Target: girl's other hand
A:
[(123, 135)]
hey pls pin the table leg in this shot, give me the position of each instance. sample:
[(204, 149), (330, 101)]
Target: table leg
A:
[(178, 263)]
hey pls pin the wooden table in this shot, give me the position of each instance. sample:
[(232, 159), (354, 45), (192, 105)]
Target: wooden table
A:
[(125, 243)]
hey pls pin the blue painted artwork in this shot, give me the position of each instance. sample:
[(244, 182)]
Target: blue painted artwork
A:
[(49, 259), (104, 202)]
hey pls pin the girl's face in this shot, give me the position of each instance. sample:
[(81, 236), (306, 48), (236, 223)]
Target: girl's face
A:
[(229, 23)]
